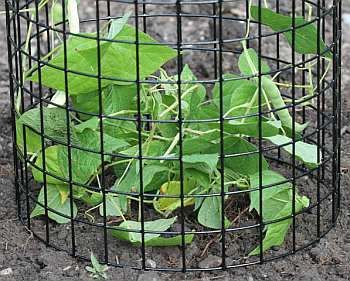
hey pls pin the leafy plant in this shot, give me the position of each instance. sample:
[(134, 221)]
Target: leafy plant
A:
[(82, 164), (97, 270)]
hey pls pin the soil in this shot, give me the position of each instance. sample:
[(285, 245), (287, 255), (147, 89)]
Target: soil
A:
[(22, 257)]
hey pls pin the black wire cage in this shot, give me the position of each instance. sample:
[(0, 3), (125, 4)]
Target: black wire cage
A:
[(173, 131)]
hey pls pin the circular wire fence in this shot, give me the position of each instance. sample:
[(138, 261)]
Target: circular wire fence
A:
[(176, 131)]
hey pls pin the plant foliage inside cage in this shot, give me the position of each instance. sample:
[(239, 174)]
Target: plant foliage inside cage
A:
[(117, 131)]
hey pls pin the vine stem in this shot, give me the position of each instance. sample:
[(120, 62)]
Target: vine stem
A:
[(171, 147), (171, 107)]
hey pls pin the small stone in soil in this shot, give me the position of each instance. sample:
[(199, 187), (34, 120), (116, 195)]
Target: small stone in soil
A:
[(6, 271), (151, 263), (210, 261)]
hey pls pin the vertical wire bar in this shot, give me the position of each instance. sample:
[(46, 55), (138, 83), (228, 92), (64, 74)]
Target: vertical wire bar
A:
[(13, 110), (222, 145), (278, 62), (15, 40), (108, 3), (42, 128), (293, 125), (214, 39), (335, 110), (69, 144), (339, 113), (303, 74), (47, 23), (323, 96), (21, 93), (144, 13), (247, 16), (318, 121), (261, 220), (100, 116), (30, 55), (139, 131), (180, 125)]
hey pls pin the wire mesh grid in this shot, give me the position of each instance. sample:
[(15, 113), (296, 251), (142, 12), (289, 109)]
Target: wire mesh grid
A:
[(204, 127)]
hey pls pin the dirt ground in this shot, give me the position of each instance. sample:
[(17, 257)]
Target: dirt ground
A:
[(24, 258)]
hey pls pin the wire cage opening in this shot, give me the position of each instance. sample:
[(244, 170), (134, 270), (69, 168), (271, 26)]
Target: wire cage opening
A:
[(176, 130)]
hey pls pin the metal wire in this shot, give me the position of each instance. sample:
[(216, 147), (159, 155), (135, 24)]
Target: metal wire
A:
[(24, 52)]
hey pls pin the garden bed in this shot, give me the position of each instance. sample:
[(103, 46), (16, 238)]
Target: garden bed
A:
[(30, 260)]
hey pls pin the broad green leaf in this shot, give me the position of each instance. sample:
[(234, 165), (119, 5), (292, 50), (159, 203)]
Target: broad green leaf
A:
[(276, 232), (244, 100), (242, 156), (92, 124), (150, 172), (268, 178), (209, 160), (120, 98), (200, 177), (246, 164), (305, 32), (168, 241), (113, 206), (134, 237), (32, 141), (207, 143), (174, 188), (209, 214), (84, 163), (305, 152), (117, 60), (54, 202), (251, 129), (228, 87), (90, 199), (54, 119), (249, 63), (116, 26), (51, 166)]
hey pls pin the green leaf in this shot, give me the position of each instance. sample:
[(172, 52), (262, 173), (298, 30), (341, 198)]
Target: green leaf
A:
[(228, 87), (168, 241), (251, 129), (120, 98), (54, 119), (268, 178), (305, 152), (33, 140), (277, 204), (174, 188), (85, 163), (134, 237), (117, 25), (51, 166), (151, 171), (305, 36), (113, 207), (244, 100), (246, 164), (209, 214), (200, 177), (276, 232), (209, 160), (117, 60), (249, 63), (54, 202)]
